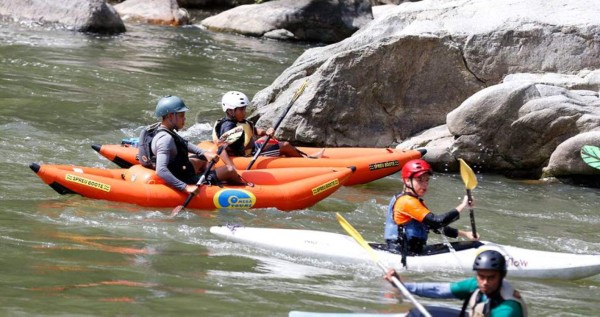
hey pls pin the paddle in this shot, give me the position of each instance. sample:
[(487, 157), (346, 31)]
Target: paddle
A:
[(227, 138), (470, 181), (354, 234), (591, 155), (294, 98)]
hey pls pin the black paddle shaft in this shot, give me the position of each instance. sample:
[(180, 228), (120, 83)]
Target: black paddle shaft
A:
[(471, 213), (287, 109), (203, 177)]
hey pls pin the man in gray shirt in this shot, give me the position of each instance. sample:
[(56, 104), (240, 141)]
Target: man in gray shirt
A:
[(179, 162)]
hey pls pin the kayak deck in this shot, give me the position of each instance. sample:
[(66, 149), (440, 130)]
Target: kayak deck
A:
[(525, 263)]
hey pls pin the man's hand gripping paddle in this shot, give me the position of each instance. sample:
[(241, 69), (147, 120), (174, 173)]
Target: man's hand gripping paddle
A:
[(354, 234), (227, 138)]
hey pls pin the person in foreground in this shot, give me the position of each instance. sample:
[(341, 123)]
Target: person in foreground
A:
[(486, 294), (234, 105), (408, 219), (178, 162)]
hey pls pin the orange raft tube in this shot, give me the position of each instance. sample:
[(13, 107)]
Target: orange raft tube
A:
[(285, 189), (371, 163)]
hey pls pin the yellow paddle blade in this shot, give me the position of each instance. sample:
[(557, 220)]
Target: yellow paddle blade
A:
[(467, 175), (354, 234)]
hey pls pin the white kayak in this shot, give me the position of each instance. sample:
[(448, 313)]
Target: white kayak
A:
[(297, 313), (435, 311), (521, 262)]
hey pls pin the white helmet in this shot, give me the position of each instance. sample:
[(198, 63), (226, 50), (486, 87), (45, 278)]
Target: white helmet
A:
[(234, 99)]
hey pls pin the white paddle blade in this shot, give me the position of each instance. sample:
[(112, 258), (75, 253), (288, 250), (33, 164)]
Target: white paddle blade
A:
[(232, 135)]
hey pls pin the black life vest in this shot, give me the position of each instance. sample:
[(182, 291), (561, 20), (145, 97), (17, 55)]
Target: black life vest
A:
[(244, 146), (180, 167)]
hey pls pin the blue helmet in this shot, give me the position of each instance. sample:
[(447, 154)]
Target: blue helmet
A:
[(169, 104)]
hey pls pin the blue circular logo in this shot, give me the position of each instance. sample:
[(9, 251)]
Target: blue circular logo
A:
[(234, 199)]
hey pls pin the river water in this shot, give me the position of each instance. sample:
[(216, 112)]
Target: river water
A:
[(60, 92)]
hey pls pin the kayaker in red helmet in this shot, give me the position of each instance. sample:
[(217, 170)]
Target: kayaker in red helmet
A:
[(409, 220)]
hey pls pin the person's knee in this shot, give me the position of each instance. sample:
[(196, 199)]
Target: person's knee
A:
[(226, 171), (198, 165), (230, 169), (284, 144)]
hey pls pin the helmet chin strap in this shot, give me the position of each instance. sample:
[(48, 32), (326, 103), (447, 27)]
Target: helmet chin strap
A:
[(411, 187)]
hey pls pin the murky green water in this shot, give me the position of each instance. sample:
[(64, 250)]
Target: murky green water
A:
[(67, 255)]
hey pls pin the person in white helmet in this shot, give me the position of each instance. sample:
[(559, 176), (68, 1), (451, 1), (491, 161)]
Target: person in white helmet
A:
[(234, 105)]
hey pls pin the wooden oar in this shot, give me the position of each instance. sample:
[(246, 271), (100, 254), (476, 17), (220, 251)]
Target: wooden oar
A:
[(354, 234), (227, 138), (591, 155), (262, 146), (470, 181)]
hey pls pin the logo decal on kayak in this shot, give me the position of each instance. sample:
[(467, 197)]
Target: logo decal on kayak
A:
[(87, 182), (381, 165), (510, 261), (234, 199), (321, 188)]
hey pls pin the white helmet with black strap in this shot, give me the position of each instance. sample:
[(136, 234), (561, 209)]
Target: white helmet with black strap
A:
[(234, 99)]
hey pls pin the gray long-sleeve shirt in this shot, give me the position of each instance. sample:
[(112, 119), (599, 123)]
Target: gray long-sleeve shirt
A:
[(165, 151)]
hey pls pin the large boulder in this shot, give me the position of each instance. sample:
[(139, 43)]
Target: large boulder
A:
[(406, 70), (532, 126), (207, 4), (80, 15), (515, 127), (325, 21), (162, 12)]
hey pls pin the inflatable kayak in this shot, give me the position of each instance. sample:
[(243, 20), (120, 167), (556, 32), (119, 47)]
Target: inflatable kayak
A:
[(521, 262), (284, 189), (435, 311), (371, 163)]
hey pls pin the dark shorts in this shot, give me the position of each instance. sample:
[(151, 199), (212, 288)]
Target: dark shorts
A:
[(271, 149), (211, 178)]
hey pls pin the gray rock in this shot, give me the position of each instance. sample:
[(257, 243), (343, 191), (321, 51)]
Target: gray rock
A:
[(309, 20), (585, 79), (80, 15), (381, 10), (525, 127), (404, 71), (566, 163), (280, 34), (162, 12), (438, 141), (515, 127), (202, 4)]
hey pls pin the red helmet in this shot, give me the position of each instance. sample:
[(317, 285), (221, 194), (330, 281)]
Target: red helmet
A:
[(415, 168)]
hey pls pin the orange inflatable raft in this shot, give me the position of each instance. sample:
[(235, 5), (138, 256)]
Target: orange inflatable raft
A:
[(285, 189), (371, 163)]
